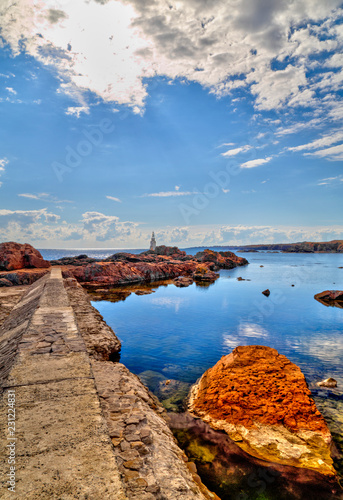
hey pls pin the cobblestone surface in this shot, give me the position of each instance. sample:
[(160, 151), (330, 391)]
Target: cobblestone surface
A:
[(151, 464)]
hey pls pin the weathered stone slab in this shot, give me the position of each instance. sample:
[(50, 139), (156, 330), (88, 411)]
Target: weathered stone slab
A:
[(62, 445)]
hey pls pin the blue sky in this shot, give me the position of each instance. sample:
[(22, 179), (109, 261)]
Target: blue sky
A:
[(208, 122)]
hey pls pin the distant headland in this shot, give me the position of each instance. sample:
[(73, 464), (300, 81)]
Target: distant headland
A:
[(334, 246)]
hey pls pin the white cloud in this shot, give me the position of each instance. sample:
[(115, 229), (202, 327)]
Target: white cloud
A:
[(11, 90), (246, 235), (26, 217), (331, 181), (77, 110), (113, 198), (3, 163), (256, 163), (46, 197), (236, 151), (47, 227), (325, 140), (106, 227), (297, 127), (165, 194), (334, 153), (109, 48)]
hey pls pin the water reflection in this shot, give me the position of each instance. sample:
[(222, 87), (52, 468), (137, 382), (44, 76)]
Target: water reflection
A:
[(246, 329), (247, 333), (171, 302)]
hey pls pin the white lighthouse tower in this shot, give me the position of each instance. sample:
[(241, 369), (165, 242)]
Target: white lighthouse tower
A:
[(153, 242)]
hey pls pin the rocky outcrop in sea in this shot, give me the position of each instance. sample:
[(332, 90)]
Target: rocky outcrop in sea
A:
[(330, 298), (262, 401), (162, 264)]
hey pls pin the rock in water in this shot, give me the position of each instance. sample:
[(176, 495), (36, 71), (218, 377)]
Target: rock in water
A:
[(262, 401), (16, 256), (330, 298), (329, 382)]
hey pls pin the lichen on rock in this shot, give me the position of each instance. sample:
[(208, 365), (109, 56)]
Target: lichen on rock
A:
[(262, 401)]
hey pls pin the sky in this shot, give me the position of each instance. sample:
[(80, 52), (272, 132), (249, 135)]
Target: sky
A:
[(210, 122)]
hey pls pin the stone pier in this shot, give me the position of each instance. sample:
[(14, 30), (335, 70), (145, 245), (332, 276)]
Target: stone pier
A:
[(85, 427)]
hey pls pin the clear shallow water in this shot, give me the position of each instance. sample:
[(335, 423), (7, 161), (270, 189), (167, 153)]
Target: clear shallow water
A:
[(180, 332), (177, 333)]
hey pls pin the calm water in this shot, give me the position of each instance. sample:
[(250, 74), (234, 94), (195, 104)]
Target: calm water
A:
[(180, 332), (177, 333), (94, 253)]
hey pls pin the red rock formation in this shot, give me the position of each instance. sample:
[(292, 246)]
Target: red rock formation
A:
[(120, 273), (21, 276), (16, 256), (204, 273), (125, 268), (261, 399), (170, 251), (222, 260), (330, 298)]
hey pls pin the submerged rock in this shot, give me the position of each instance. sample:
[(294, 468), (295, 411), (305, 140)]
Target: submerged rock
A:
[(329, 382), (262, 401)]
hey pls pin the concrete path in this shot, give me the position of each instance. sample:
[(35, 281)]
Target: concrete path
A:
[(56, 440)]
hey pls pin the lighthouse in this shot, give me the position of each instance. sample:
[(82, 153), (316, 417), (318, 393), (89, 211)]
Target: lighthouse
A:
[(153, 242)]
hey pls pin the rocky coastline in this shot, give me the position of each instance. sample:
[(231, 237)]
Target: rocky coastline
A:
[(120, 269), (257, 396)]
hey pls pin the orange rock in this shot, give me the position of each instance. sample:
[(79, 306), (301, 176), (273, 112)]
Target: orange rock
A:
[(262, 400), (16, 256)]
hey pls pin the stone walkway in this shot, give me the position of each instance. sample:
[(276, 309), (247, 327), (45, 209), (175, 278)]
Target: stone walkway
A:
[(62, 446)]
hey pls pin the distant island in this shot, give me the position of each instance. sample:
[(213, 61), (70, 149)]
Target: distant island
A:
[(334, 246)]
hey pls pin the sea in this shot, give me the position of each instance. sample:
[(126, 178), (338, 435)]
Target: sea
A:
[(180, 332), (176, 334)]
